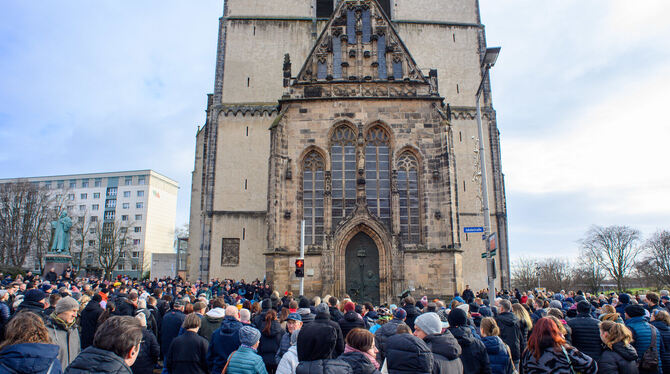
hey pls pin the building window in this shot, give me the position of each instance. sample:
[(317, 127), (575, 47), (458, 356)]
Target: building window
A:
[(47, 185), (126, 193), (70, 208), (120, 265), (73, 183), (124, 217), (139, 205), (80, 219), (324, 8), (82, 208), (378, 174), (343, 161), (138, 229), (351, 26), (94, 218), (126, 205), (110, 204), (408, 190), (136, 241), (133, 266), (91, 243), (312, 197), (138, 217), (70, 196), (109, 216), (381, 57), (83, 196), (386, 7), (95, 207), (111, 192), (96, 195), (60, 184), (136, 254), (84, 183), (141, 180), (129, 181), (92, 230), (98, 182), (140, 193)]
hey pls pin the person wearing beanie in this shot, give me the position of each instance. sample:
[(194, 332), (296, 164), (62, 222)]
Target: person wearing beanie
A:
[(245, 360), (556, 304), (446, 350), (624, 301), (351, 319), (409, 305), (585, 331), (316, 347), (387, 330), (323, 318), (642, 331), (474, 357), (89, 320), (305, 311), (63, 330), (34, 301)]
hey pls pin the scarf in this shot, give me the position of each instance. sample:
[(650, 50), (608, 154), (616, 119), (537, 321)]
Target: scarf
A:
[(371, 358), (61, 322)]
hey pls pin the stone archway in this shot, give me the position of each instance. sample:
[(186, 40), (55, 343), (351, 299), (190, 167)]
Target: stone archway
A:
[(362, 269)]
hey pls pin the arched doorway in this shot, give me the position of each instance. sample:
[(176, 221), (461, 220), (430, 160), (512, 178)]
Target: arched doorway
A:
[(362, 269)]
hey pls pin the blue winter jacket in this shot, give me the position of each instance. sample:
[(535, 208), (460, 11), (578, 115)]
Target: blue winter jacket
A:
[(245, 361), (665, 334), (224, 341), (30, 358), (641, 330), (498, 355)]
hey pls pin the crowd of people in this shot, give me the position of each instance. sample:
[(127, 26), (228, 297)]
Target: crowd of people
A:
[(59, 324)]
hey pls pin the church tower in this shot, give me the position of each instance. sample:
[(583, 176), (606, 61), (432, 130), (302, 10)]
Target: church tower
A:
[(357, 116)]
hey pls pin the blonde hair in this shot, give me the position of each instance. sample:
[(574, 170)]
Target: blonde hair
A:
[(83, 301), (489, 327), (25, 327), (662, 316), (558, 323), (522, 314), (607, 309), (610, 317), (616, 332)]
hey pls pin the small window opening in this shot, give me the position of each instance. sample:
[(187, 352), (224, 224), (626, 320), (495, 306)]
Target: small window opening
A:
[(463, 186), (460, 136), (458, 89), (248, 81), (454, 36), (247, 130), (245, 184), (324, 8), (244, 233)]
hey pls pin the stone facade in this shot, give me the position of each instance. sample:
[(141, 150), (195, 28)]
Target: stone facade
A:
[(411, 77)]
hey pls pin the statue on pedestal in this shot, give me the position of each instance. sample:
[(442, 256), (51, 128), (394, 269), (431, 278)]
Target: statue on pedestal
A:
[(60, 242)]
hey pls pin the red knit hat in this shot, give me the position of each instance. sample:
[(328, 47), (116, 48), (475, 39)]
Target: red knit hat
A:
[(349, 306)]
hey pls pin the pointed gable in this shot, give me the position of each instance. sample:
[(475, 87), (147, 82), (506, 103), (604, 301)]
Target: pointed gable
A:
[(359, 45)]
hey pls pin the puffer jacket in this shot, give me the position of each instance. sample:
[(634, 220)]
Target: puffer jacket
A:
[(665, 336), (350, 321), (331, 366), (586, 335), (89, 322), (149, 353), (405, 353), (446, 353), (383, 333), (224, 341), (621, 359), (359, 363), (67, 339), (501, 362), (556, 363), (30, 358), (324, 319), (474, 357), (510, 333), (270, 342), (245, 361), (96, 360), (641, 330), (306, 315)]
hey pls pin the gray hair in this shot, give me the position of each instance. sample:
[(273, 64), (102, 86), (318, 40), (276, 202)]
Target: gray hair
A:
[(245, 315), (142, 318)]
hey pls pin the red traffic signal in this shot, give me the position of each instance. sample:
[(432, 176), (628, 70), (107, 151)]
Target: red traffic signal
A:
[(300, 268)]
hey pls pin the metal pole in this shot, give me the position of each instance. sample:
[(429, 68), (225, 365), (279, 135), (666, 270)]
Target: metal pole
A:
[(302, 254), (485, 192)]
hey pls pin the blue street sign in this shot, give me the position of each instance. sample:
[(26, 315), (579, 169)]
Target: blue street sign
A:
[(472, 229)]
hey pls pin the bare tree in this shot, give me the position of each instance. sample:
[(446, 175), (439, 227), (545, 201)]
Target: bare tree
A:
[(114, 243), (81, 234), (614, 248), (656, 264), (524, 273), (555, 273), (24, 213), (589, 273)]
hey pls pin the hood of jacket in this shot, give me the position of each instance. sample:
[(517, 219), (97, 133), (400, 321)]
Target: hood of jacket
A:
[(316, 341), (304, 311), (661, 326), (494, 344), (216, 313), (229, 326), (92, 305), (507, 318), (351, 316), (626, 351), (463, 335), (29, 357), (96, 360), (444, 345), (275, 329)]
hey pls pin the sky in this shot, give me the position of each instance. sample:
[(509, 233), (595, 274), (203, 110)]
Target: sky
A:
[(579, 90)]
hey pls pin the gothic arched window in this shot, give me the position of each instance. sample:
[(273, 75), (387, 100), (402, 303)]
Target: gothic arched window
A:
[(408, 191), (378, 173), (343, 165), (312, 197)]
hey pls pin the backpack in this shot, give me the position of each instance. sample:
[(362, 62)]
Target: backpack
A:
[(649, 360)]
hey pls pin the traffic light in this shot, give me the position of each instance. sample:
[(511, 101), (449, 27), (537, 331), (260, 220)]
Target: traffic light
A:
[(300, 268)]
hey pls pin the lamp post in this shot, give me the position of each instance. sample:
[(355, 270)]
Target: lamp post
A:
[(489, 60)]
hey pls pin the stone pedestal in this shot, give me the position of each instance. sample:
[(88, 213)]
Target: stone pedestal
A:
[(59, 262)]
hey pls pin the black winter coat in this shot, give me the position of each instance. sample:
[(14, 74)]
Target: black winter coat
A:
[(474, 357), (89, 322), (149, 353), (335, 314), (324, 318), (446, 353), (170, 329), (323, 367), (125, 308), (383, 333), (556, 363), (360, 364), (405, 353), (350, 321), (412, 313), (586, 335), (270, 342), (665, 337), (96, 360), (187, 354), (621, 359), (510, 333)]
